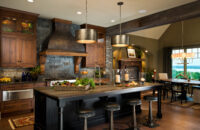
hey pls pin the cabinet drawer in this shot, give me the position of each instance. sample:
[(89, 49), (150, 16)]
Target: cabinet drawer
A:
[(17, 105), (17, 94)]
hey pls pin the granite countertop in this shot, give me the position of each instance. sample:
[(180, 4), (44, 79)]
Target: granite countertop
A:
[(99, 90), (21, 82)]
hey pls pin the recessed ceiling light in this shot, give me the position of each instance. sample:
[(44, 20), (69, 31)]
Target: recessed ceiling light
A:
[(112, 21), (79, 12), (31, 1), (142, 11)]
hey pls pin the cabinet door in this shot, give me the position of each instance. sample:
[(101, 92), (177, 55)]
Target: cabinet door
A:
[(101, 54), (28, 52), (28, 24), (9, 51), (91, 58), (9, 21)]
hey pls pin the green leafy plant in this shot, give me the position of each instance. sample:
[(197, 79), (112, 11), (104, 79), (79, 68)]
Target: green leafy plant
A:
[(35, 72), (138, 52), (149, 74), (84, 82)]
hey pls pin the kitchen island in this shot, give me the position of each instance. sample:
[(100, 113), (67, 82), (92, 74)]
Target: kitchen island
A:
[(58, 109)]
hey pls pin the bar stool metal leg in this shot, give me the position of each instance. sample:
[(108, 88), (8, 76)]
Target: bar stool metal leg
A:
[(111, 121), (150, 114), (134, 118), (85, 123)]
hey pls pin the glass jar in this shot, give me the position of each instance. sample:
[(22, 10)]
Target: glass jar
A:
[(142, 77), (126, 76)]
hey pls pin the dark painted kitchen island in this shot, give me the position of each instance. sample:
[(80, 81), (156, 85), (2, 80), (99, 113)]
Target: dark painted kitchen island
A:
[(58, 109)]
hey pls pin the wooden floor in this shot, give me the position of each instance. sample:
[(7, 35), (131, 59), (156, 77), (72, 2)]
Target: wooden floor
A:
[(174, 118)]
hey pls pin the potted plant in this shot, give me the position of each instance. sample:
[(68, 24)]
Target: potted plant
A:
[(138, 52), (35, 72)]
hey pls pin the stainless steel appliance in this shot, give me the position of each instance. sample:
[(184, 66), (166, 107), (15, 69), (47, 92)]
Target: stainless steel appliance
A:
[(17, 94)]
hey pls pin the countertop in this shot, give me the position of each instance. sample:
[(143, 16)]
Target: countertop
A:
[(24, 82), (98, 91)]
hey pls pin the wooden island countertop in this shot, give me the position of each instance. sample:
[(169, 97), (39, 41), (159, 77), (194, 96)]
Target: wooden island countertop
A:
[(102, 90)]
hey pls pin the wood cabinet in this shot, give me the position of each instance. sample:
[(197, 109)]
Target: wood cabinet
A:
[(18, 105), (17, 38), (27, 52), (9, 51), (96, 52)]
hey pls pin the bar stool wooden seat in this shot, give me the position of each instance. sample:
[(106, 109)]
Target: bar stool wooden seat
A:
[(86, 114), (134, 103), (112, 107), (150, 122)]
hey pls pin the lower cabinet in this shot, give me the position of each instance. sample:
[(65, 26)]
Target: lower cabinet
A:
[(17, 105), (17, 97)]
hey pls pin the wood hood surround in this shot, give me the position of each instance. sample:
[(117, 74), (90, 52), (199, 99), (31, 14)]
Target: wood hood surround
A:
[(62, 43)]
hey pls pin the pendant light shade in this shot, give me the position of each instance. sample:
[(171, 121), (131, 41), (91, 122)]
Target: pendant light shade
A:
[(120, 40), (86, 36)]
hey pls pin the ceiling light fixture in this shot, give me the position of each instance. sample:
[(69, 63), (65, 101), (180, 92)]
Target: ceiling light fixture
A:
[(79, 12), (31, 1), (112, 21), (86, 36), (182, 55), (121, 40), (142, 11), (146, 51)]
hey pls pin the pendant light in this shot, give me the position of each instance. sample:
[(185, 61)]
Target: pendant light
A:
[(121, 40), (85, 35), (182, 55)]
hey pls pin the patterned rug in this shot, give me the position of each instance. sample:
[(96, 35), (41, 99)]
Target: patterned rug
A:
[(21, 122), (188, 104)]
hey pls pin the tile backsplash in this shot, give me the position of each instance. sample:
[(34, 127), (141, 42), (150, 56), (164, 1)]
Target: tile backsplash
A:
[(11, 73)]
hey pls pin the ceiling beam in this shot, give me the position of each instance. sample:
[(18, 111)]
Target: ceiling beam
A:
[(169, 16)]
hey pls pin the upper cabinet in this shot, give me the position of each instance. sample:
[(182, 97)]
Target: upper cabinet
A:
[(17, 38), (97, 51), (18, 22)]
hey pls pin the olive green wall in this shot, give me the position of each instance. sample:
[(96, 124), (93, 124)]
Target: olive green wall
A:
[(151, 45), (146, 43), (172, 37)]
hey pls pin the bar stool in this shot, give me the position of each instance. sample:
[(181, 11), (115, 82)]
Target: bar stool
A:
[(112, 107), (150, 122), (134, 103), (86, 114)]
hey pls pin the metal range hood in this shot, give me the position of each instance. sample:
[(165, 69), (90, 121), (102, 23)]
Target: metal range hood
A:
[(62, 43)]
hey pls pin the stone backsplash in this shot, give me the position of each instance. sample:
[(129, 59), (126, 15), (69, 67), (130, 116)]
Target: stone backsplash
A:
[(12, 73)]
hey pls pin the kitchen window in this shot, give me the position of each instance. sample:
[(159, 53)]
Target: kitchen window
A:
[(191, 65)]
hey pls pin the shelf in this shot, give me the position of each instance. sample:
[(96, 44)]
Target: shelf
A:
[(77, 58), (132, 59), (62, 53)]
